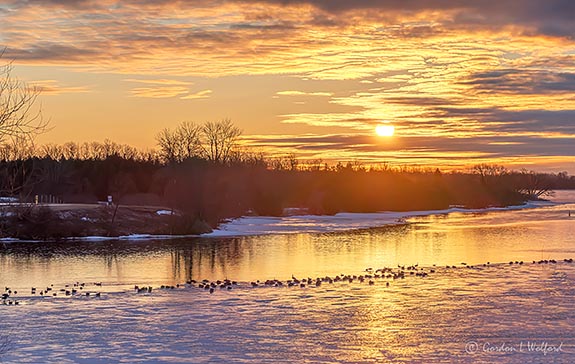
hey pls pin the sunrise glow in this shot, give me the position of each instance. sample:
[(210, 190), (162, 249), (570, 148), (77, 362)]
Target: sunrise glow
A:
[(308, 77)]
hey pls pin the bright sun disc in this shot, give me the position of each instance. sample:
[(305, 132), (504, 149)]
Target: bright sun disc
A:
[(384, 130)]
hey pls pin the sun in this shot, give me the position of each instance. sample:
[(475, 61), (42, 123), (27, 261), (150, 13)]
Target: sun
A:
[(385, 130)]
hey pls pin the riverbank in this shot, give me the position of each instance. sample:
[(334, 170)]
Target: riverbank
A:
[(56, 222), (343, 221), (65, 221)]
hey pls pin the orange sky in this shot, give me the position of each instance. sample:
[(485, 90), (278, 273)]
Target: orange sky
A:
[(463, 82)]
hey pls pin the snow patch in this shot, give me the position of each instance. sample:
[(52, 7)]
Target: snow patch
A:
[(130, 237), (164, 212), (93, 238), (343, 221)]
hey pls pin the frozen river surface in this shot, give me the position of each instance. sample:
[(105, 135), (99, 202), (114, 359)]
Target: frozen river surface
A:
[(497, 312)]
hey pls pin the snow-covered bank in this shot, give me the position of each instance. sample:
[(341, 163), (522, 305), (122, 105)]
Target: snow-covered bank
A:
[(262, 225), (267, 225)]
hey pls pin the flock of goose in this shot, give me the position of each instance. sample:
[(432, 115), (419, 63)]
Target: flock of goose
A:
[(371, 276), (75, 289)]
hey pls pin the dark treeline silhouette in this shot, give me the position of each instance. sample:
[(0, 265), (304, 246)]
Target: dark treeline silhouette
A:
[(208, 179)]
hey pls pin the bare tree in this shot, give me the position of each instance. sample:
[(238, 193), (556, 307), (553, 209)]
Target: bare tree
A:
[(220, 140), (285, 163), (215, 141), (16, 176), (20, 121), (535, 185), (189, 135), (51, 151), (181, 143), (490, 174), (18, 116), (168, 145)]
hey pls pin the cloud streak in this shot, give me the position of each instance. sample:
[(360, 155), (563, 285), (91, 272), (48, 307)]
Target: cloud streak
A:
[(204, 94), (458, 153), (159, 92), (303, 93), (52, 88)]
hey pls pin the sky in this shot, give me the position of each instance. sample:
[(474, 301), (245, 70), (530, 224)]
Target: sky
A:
[(462, 82)]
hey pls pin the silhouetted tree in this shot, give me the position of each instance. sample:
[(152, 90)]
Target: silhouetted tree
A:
[(20, 172), (18, 117), (181, 143), (490, 174), (536, 185), (219, 140)]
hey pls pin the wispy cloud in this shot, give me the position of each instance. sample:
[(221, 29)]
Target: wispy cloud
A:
[(159, 88), (159, 82), (52, 87), (204, 94), (303, 93), (159, 92)]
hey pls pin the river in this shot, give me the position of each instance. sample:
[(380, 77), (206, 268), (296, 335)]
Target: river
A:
[(490, 312)]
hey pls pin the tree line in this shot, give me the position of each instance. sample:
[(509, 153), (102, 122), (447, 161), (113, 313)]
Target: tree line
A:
[(202, 171)]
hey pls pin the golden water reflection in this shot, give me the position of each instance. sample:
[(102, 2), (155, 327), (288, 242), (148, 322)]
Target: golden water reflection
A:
[(499, 236)]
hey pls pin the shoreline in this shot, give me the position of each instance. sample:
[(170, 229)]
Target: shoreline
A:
[(62, 222), (342, 221), (272, 225)]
